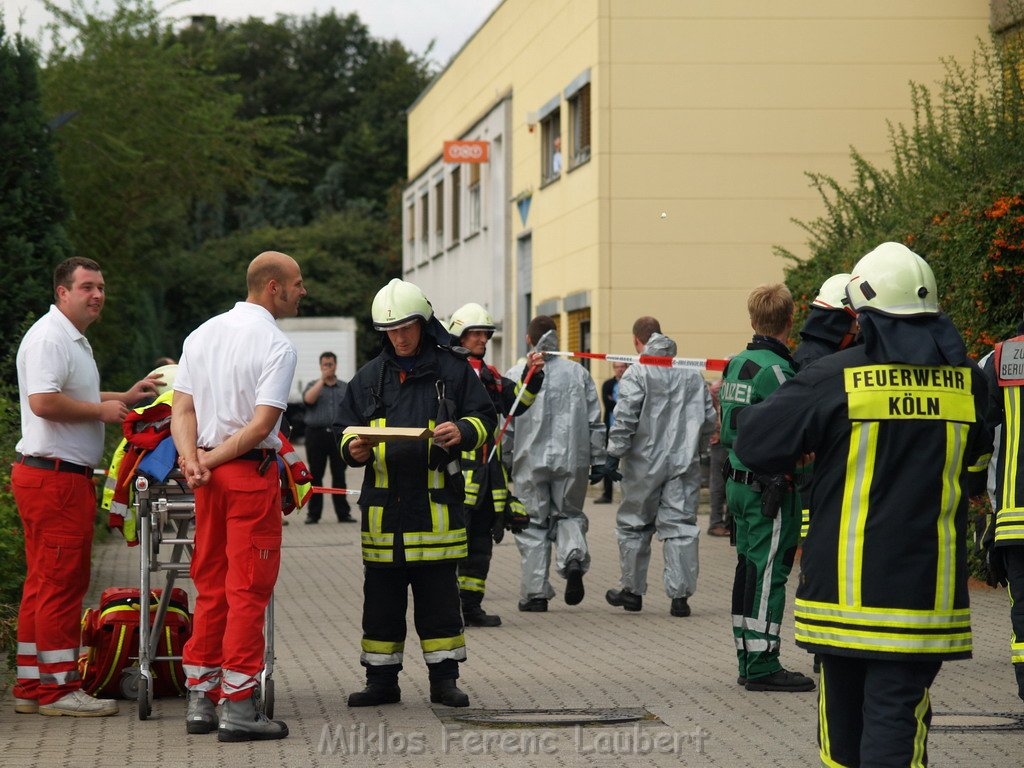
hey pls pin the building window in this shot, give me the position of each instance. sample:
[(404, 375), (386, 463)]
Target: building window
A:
[(439, 215), (424, 223), (473, 195), (456, 189), (578, 334), (551, 147), (410, 223), (579, 127)]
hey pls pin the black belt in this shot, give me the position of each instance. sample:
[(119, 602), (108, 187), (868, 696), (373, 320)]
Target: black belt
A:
[(57, 465), (747, 478)]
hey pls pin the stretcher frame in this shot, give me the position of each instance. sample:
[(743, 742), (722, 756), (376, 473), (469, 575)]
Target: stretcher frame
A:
[(158, 505)]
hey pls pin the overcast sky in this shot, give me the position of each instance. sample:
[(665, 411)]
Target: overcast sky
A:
[(414, 22)]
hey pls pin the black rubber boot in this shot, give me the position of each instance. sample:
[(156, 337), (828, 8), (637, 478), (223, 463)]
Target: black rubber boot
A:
[(447, 692), (239, 721), (475, 616), (623, 598), (375, 694), (679, 607), (574, 582), (534, 605), (782, 681)]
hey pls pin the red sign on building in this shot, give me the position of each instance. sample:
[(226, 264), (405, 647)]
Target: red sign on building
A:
[(467, 151)]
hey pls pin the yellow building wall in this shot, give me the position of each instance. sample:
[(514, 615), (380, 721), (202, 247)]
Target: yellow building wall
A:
[(710, 111), (717, 110)]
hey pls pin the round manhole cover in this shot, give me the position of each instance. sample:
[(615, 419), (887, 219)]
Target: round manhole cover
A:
[(977, 721), (532, 718)]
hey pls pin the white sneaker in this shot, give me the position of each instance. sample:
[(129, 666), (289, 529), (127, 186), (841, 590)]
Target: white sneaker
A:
[(26, 706), (80, 704)]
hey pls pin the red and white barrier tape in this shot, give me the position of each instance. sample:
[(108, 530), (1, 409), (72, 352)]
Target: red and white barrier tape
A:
[(690, 363), (335, 491)]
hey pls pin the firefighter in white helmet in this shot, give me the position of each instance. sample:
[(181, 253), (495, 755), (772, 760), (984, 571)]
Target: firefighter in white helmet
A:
[(487, 499), (413, 527), (899, 430)]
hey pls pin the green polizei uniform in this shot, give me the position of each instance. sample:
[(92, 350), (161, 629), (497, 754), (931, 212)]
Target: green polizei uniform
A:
[(765, 547)]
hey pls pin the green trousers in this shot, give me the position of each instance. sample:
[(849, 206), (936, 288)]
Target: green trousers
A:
[(765, 549)]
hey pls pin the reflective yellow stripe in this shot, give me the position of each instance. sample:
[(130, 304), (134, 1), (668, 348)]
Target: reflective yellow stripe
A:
[(431, 537), (883, 617), (380, 464), (382, 646), (470, 584), (114, 665), (860, 467), (956, 439), (442, 643), (890, 642), (378, 539), (478, 425), (1011, 442), (375, 518), (346, 439), (425, 554), (921, 735), (378, 555), (825, 750)]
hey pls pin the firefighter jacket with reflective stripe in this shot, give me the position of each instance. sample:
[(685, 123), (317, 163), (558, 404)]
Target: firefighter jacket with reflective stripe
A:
[(482, 473), (412, 513), (898, 448), (1005, 372), (749, 378)]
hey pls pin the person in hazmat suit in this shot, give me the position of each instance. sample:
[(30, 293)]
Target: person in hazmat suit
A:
[(551, 447), (660, 417)]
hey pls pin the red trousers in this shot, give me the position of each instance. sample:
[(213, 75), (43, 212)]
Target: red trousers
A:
[(57, 511), (234, 568)]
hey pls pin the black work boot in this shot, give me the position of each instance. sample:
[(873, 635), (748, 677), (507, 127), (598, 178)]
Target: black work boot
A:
[(239, 721), (447, 692), (782, 681), (679, 607), (534, 605), (476, 616), (375, 694), (623, 598), (574, 582)]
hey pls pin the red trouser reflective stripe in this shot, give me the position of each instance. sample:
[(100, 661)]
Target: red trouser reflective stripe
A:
[(57, 511), (234, 568)]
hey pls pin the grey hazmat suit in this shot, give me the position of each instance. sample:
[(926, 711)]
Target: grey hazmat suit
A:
[(552, 447), (659, 420)]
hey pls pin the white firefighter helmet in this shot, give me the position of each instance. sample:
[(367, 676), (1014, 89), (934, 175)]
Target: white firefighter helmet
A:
[(169, 372), (832, 292), (399, 303), (471, 317), (893, 280)]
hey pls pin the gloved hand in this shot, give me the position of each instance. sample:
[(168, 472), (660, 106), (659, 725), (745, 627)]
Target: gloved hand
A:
[(498, 528), (609, 470), (996, 561), (516, 516)]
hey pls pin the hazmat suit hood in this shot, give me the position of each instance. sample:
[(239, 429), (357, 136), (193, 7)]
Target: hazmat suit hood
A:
[(660, 345), (930, 340)]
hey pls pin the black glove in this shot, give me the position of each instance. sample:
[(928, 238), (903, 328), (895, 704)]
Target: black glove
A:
[(498, 528), (609, 470), (995, 560), (516, 516)]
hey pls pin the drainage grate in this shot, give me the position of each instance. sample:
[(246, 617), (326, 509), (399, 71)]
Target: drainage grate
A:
[(977, 721), (548, 718)]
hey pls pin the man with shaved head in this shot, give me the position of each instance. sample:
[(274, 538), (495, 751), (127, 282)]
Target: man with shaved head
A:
[(230, 392)]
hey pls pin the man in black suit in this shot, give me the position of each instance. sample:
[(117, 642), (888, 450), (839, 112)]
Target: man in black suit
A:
[(609, 396)]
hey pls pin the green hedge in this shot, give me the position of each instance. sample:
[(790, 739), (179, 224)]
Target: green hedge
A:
[(952, 191), (12, 543)]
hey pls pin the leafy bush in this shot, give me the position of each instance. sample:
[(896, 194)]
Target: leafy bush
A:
[(953, 192), (12, 543)]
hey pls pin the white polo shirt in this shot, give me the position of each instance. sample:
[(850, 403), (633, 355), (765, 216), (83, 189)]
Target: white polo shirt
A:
[(54, 356), (232, 363)]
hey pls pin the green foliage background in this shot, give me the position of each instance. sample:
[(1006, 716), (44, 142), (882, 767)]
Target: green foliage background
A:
[(951, 192)]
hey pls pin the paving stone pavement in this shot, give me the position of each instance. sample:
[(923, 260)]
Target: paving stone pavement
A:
[(588, 656)]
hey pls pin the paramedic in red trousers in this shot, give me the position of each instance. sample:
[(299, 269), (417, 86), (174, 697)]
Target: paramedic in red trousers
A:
[(229, 395), (62, 418), (900, 434), (413, 526)]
